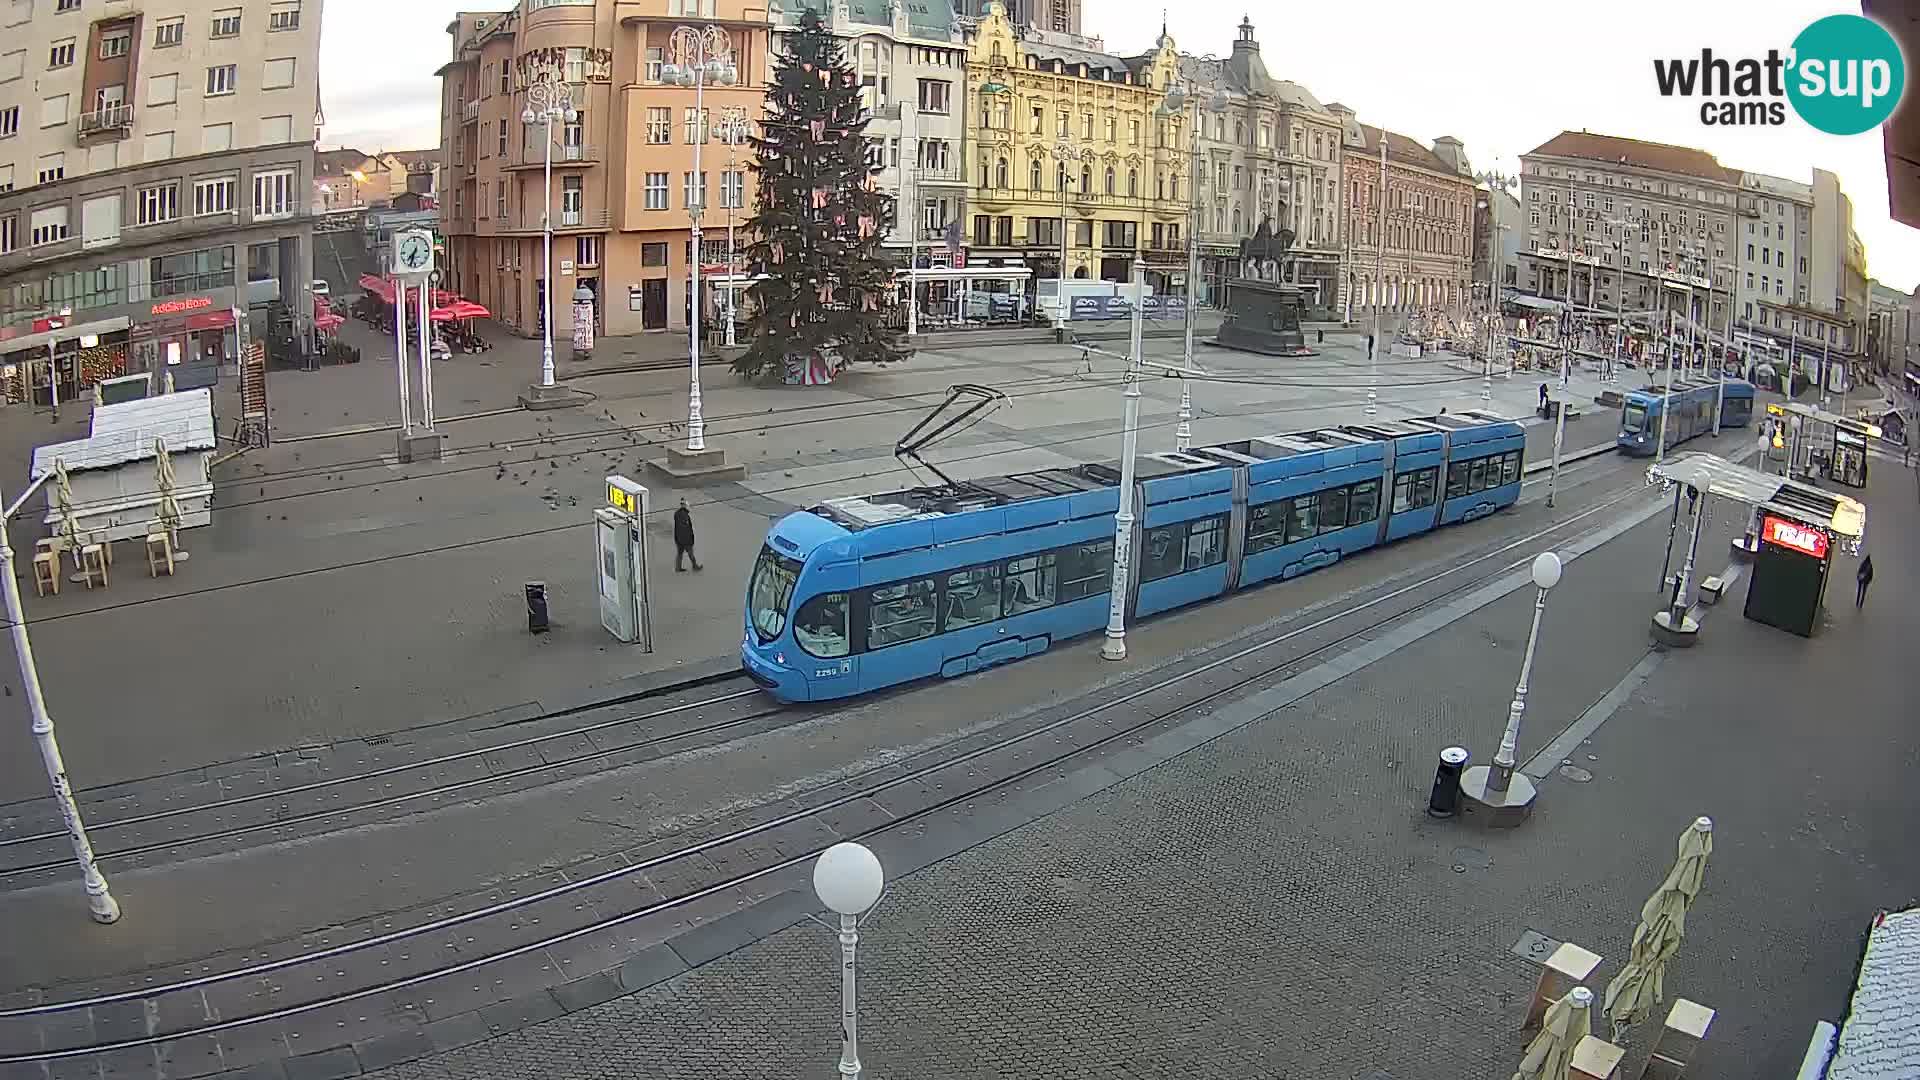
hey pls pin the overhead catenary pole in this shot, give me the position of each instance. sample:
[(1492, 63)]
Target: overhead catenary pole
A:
[(702, 54), (548, 99), (1379, 272), (426, 354), (400, 351), (1666, 396), (734, 125), (1115, 647), (100, 901), (912, 186)]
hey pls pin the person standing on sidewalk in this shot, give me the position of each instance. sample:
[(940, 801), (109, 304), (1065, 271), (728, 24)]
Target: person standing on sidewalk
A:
[(1865, 577), (683, 538)]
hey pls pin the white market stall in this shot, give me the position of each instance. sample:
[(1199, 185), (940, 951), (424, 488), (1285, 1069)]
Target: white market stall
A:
[(112, 472)]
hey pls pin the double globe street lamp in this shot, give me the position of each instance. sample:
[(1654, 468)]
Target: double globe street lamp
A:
[(548, 99), (703, 55), (1205, 77)]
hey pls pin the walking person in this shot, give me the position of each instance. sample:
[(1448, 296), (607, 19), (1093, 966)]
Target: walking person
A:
[(683, 538), (1865, 578)]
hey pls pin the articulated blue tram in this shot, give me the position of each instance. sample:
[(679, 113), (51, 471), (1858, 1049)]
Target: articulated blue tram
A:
[(858, 594), (1692, 401)]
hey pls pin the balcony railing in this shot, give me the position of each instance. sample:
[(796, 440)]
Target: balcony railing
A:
[(111, 120), (534, 155), (470, 111), (939, 174)]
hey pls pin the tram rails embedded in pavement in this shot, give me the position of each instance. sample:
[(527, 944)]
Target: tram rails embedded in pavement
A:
[(1692, 403), (858, 594)]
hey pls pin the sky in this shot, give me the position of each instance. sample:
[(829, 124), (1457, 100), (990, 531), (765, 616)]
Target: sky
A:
[(1503, 76)]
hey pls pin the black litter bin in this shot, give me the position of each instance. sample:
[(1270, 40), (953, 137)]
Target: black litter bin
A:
[(536, 607), (1445, 800)]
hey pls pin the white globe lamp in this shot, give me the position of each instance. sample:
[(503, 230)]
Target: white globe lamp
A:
[(848, 879)]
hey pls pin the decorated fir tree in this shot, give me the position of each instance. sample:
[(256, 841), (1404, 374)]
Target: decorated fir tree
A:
[(818, 220)]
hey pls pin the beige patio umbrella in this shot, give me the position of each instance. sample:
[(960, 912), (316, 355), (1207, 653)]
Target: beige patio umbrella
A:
[(63, 502), (1640, 985), (169, 509), (1550, 1055), (166, 383)]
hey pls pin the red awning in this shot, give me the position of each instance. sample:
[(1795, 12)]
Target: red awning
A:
[(467, 309), (441, 314), (210, 320), (326, 324)]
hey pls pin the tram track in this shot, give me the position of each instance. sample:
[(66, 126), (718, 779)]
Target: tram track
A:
[(1129, 716)]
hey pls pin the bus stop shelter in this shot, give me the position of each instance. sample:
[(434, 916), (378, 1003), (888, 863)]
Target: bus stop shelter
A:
[(1793, 530)]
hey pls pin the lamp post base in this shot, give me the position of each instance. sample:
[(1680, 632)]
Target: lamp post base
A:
[(419, 444), (1685, 635), (696, 468), (1498, 809), (1744, 548), (539, 396)]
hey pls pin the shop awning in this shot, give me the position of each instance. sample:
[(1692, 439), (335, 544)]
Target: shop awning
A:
[(211, 320), (44, 338)]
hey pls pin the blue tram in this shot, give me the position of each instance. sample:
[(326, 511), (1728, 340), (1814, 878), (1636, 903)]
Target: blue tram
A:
[(858, 594), (1692, 402)]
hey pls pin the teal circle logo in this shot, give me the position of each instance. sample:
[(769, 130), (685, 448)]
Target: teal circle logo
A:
[(1847, 74)]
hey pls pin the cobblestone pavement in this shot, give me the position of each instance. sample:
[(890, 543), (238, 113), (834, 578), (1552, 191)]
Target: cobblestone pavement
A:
[(1274, 903)]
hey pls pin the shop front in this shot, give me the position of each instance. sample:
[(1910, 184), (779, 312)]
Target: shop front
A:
[(59, 359), (189, 337)]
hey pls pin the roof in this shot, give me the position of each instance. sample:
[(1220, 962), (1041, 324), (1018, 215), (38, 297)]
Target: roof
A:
[(1294, 94), (1613, 150), (1881, 1038), (1046, 50), (1404, 150), (125, 432), (337, 162)]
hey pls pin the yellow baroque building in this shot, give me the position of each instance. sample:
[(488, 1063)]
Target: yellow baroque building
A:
[(1060, 130)]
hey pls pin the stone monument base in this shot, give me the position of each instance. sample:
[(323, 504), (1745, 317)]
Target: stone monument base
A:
[(695, 468), (1263, 317), (538, 397)]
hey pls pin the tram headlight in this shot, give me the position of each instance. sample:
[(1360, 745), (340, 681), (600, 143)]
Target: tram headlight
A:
[(780, 658)]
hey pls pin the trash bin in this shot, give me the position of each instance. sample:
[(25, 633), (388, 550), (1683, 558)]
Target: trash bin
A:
[(1445, 800), (537, 607)]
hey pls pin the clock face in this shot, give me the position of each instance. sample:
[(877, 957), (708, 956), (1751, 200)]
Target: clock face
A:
[(414, 252)]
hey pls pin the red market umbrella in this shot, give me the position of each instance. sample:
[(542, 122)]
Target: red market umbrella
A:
[(328, 323), (442, 315), (467, 309)]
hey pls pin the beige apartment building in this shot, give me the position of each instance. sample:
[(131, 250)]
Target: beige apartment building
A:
[(156, 158), (624, 181), (1409, 246)]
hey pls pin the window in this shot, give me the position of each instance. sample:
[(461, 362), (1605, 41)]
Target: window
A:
[(13, 65), (6, 178), (655, 59), (9, 237), (1267, 525), (586, 251), (659, 124), (654, 254), (52, 167), (67, 5), (216, 137), (163, 89), (115, 43), (693, 189), (278, 74), (53, 110), (572, 199), (220, 80), (733, 184), (61, 54), (169, 33), (226, 23), (768, 591), (1459, 474), (936, 96), (1303, 518), (213, 196), (284, 15), (656, 192), (1207, 543), (9, 121), (1363, 504), (1133, 132), (973, 597), (820, 626), (1183, 546), (273, 194), (49, 225), (1333, 510), (1084, 570), (157, 204), (500, 199), (275, 130), (697, 125), (1029, 583), (900, 613), (1415, 490)]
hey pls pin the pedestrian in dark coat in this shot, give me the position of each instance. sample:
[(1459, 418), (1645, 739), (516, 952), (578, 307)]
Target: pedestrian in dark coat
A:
[(683, 538), (1865, 577)]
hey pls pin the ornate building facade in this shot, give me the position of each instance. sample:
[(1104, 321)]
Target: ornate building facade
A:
[(1410, 245)]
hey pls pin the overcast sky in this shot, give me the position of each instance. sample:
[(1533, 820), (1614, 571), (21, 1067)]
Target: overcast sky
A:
[(1501, 75)]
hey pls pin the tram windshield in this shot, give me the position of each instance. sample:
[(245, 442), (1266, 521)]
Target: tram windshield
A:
[(769, 591), (1633, 418)]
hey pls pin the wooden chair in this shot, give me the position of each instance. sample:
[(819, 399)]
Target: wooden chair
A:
[(159, 551), (46, 573), (93, 561)]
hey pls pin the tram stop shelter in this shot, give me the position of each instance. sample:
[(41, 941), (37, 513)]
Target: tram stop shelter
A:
[(1825, 445), (1793, 531)]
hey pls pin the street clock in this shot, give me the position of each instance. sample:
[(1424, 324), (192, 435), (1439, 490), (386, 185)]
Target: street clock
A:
[(413, 252)]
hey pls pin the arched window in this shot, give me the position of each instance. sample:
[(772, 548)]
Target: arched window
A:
[(1236, 221), (1219, 130), (1133, 183), (1086, 179), (1109, 179), (1160, 186), (983, 172), (1060, 176), (1033, 174), (1219, 220), (1000, 175)]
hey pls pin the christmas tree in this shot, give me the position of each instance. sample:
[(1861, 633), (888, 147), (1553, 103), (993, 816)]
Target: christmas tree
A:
[(818, 220)]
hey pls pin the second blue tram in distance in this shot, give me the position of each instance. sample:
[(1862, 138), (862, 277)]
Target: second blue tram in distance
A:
[(859, 594), (1692, 402)]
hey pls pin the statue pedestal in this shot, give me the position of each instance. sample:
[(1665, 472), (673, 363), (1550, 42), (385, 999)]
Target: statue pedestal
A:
[(1264, 317)]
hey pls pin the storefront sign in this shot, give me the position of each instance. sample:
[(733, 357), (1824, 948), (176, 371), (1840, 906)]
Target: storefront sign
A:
[(1800, 538), (176, 307)]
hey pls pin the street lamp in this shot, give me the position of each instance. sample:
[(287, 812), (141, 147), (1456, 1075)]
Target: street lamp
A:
[(848, 879), (548, 99), (1496, 786), (1379, 279), (1062, 154), (1720, 361), (1115, 647), (733, 131), (1207, 71), (702, 55)]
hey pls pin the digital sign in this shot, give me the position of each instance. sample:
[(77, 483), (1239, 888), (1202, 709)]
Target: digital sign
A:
[(175, 307), (1795, 536)]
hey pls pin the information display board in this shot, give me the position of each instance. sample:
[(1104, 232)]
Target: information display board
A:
[(1789, 575)]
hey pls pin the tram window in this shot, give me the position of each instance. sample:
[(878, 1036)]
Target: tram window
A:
[(1303, 521), (1207, 542), (820, 626), (1425, 485), (1267, 525), (1510, 467), (1477, 475), (1333, 510), (769, 590), (1165, 552), (1458, 474), (1633, 418), (1085, 570), (1402, 492), (1364, 506), (900, 613), (1029, 583), (973, 597)]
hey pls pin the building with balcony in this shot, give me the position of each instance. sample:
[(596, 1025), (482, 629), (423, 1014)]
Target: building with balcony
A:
[(1409, 247), (1650, 228), (1498, 226), (912, 64), (1051, 16), (1802, 279), (1272, 152), (155, 175), (1060, 131), (624, 185)]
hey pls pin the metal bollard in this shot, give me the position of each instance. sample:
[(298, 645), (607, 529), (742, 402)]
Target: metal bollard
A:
[(1445, 800), (537, 607)]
